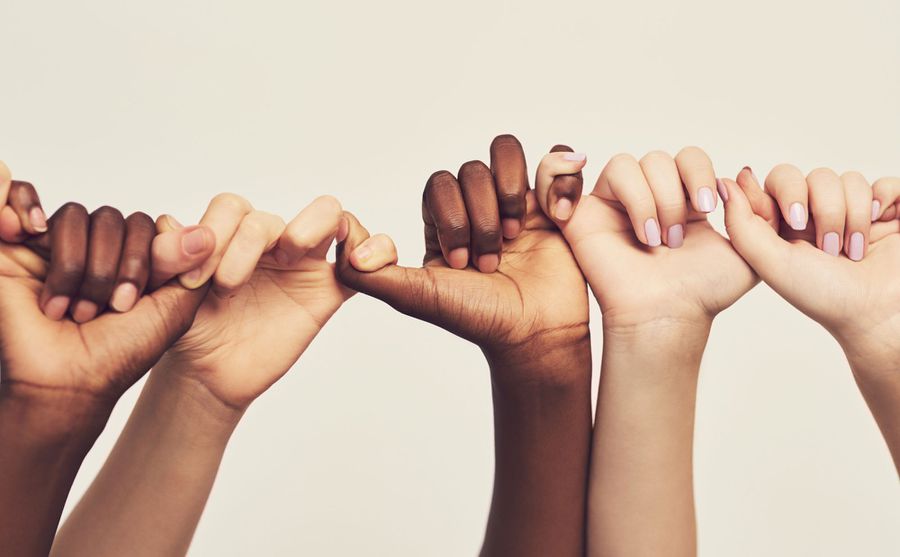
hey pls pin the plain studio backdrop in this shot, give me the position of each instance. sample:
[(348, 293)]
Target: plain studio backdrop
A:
[(380, 441)]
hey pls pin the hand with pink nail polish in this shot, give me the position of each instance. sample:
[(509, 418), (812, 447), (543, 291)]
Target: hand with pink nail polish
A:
[(60, 378), (840, 268), (498, 273)]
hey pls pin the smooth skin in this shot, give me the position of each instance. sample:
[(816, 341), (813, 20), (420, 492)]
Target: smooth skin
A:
[(849, 286), (272, 292), (59, 379), (660, 273), (498, 273)]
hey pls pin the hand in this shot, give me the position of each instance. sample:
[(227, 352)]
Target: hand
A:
[(89, 256), (496, 271), (273, 291), (839, 268), (643, 241)]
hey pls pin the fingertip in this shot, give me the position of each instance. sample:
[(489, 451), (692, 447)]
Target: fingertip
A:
[(511, 228), (55, 308), (563, 209), (722, 190), (84, 311), (124, 297), (343, 229), (488, 263), (458, 258)]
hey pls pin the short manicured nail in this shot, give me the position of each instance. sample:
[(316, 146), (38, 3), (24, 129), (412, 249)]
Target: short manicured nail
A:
[(575, 157), (511, 228), (56, 307), (124, 297), (362, 253), (194, 242), (723, 192), (705, 200), (38, 219), (343, 230), (876, 210), (191, 279), (458, 258), (798, 216), (675, 237), (84, 311), (651, 229), (856, 246), (488, 263), (831, 243), (563, 208)]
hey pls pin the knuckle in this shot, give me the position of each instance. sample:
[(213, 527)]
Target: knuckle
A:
[(439, 179), (227, 279), (692, 152), (655, 156), (505, 140), (231, 201), (511, 204), (256, 226), (489, 233), (108, 214), (853, 177), (821, 174), (70, 272), (141, 220), (330, 204), (472, 169), (72, 208), (619, 160)]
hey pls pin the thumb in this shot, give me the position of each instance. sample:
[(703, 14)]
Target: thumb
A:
[(177, 249), (559, 182), (752, 236)]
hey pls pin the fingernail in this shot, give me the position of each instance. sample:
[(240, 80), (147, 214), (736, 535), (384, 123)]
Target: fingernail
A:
[(343, 230), (124, 297), (876, 210), (752, 175), (831, 244), (705, 200), (84, 311), (488, 263), (675, 237), (191, 279), (798, 216), (651, 229), (856, 246), (194, 242), (38, 219), (723, 192), (458, 258), (173, 222), (563, 208), (511, 228), (575, 157), (56, 307), (362, 253)]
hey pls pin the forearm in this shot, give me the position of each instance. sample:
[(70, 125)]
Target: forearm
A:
[(150, 493), (641, 498), (542, 424), (44, 437)]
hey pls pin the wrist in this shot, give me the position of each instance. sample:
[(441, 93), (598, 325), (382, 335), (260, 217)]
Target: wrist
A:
[(550, 360), (656, 346), (177, 389), (872, 352), (51, 416)]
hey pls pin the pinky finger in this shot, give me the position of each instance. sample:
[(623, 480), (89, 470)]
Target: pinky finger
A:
[(885, 198)]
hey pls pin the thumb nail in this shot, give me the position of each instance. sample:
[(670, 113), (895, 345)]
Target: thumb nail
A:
[(194, 242)]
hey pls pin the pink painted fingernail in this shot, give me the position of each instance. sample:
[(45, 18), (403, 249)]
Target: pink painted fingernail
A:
[(831, 244), (488, 263), (124, 297), (856, 246), (511, 228), (876, 210), (651, 229), (84, 311), (192, 278), (798, 216), (675, 237), (723, 192), (705, 200), (575, 157), (56, 307), (563, 208), (458, 258), (38, 219), (194, 242)]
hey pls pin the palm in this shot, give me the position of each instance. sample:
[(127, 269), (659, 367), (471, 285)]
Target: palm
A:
[(262, 330), (633, 282), (537, 289)]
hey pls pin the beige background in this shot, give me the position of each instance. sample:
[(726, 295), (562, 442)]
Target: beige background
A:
[(380, 441)]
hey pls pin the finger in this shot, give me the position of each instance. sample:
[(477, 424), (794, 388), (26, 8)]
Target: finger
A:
[(258, 233), (662, 176), (223, 216), (828, 208), (698, 176), (105, 240), (480, 196), (11, 230), (314, 226), (788, 186), (761, 203), (858, 195), (883, 229), (561, 190), (511, 177), (69, 237), (751, 235), (445, 210), (374, 253), (25, 202), (5, 182), (886, 194), (623, 180), (134, 265), (177, 249)]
